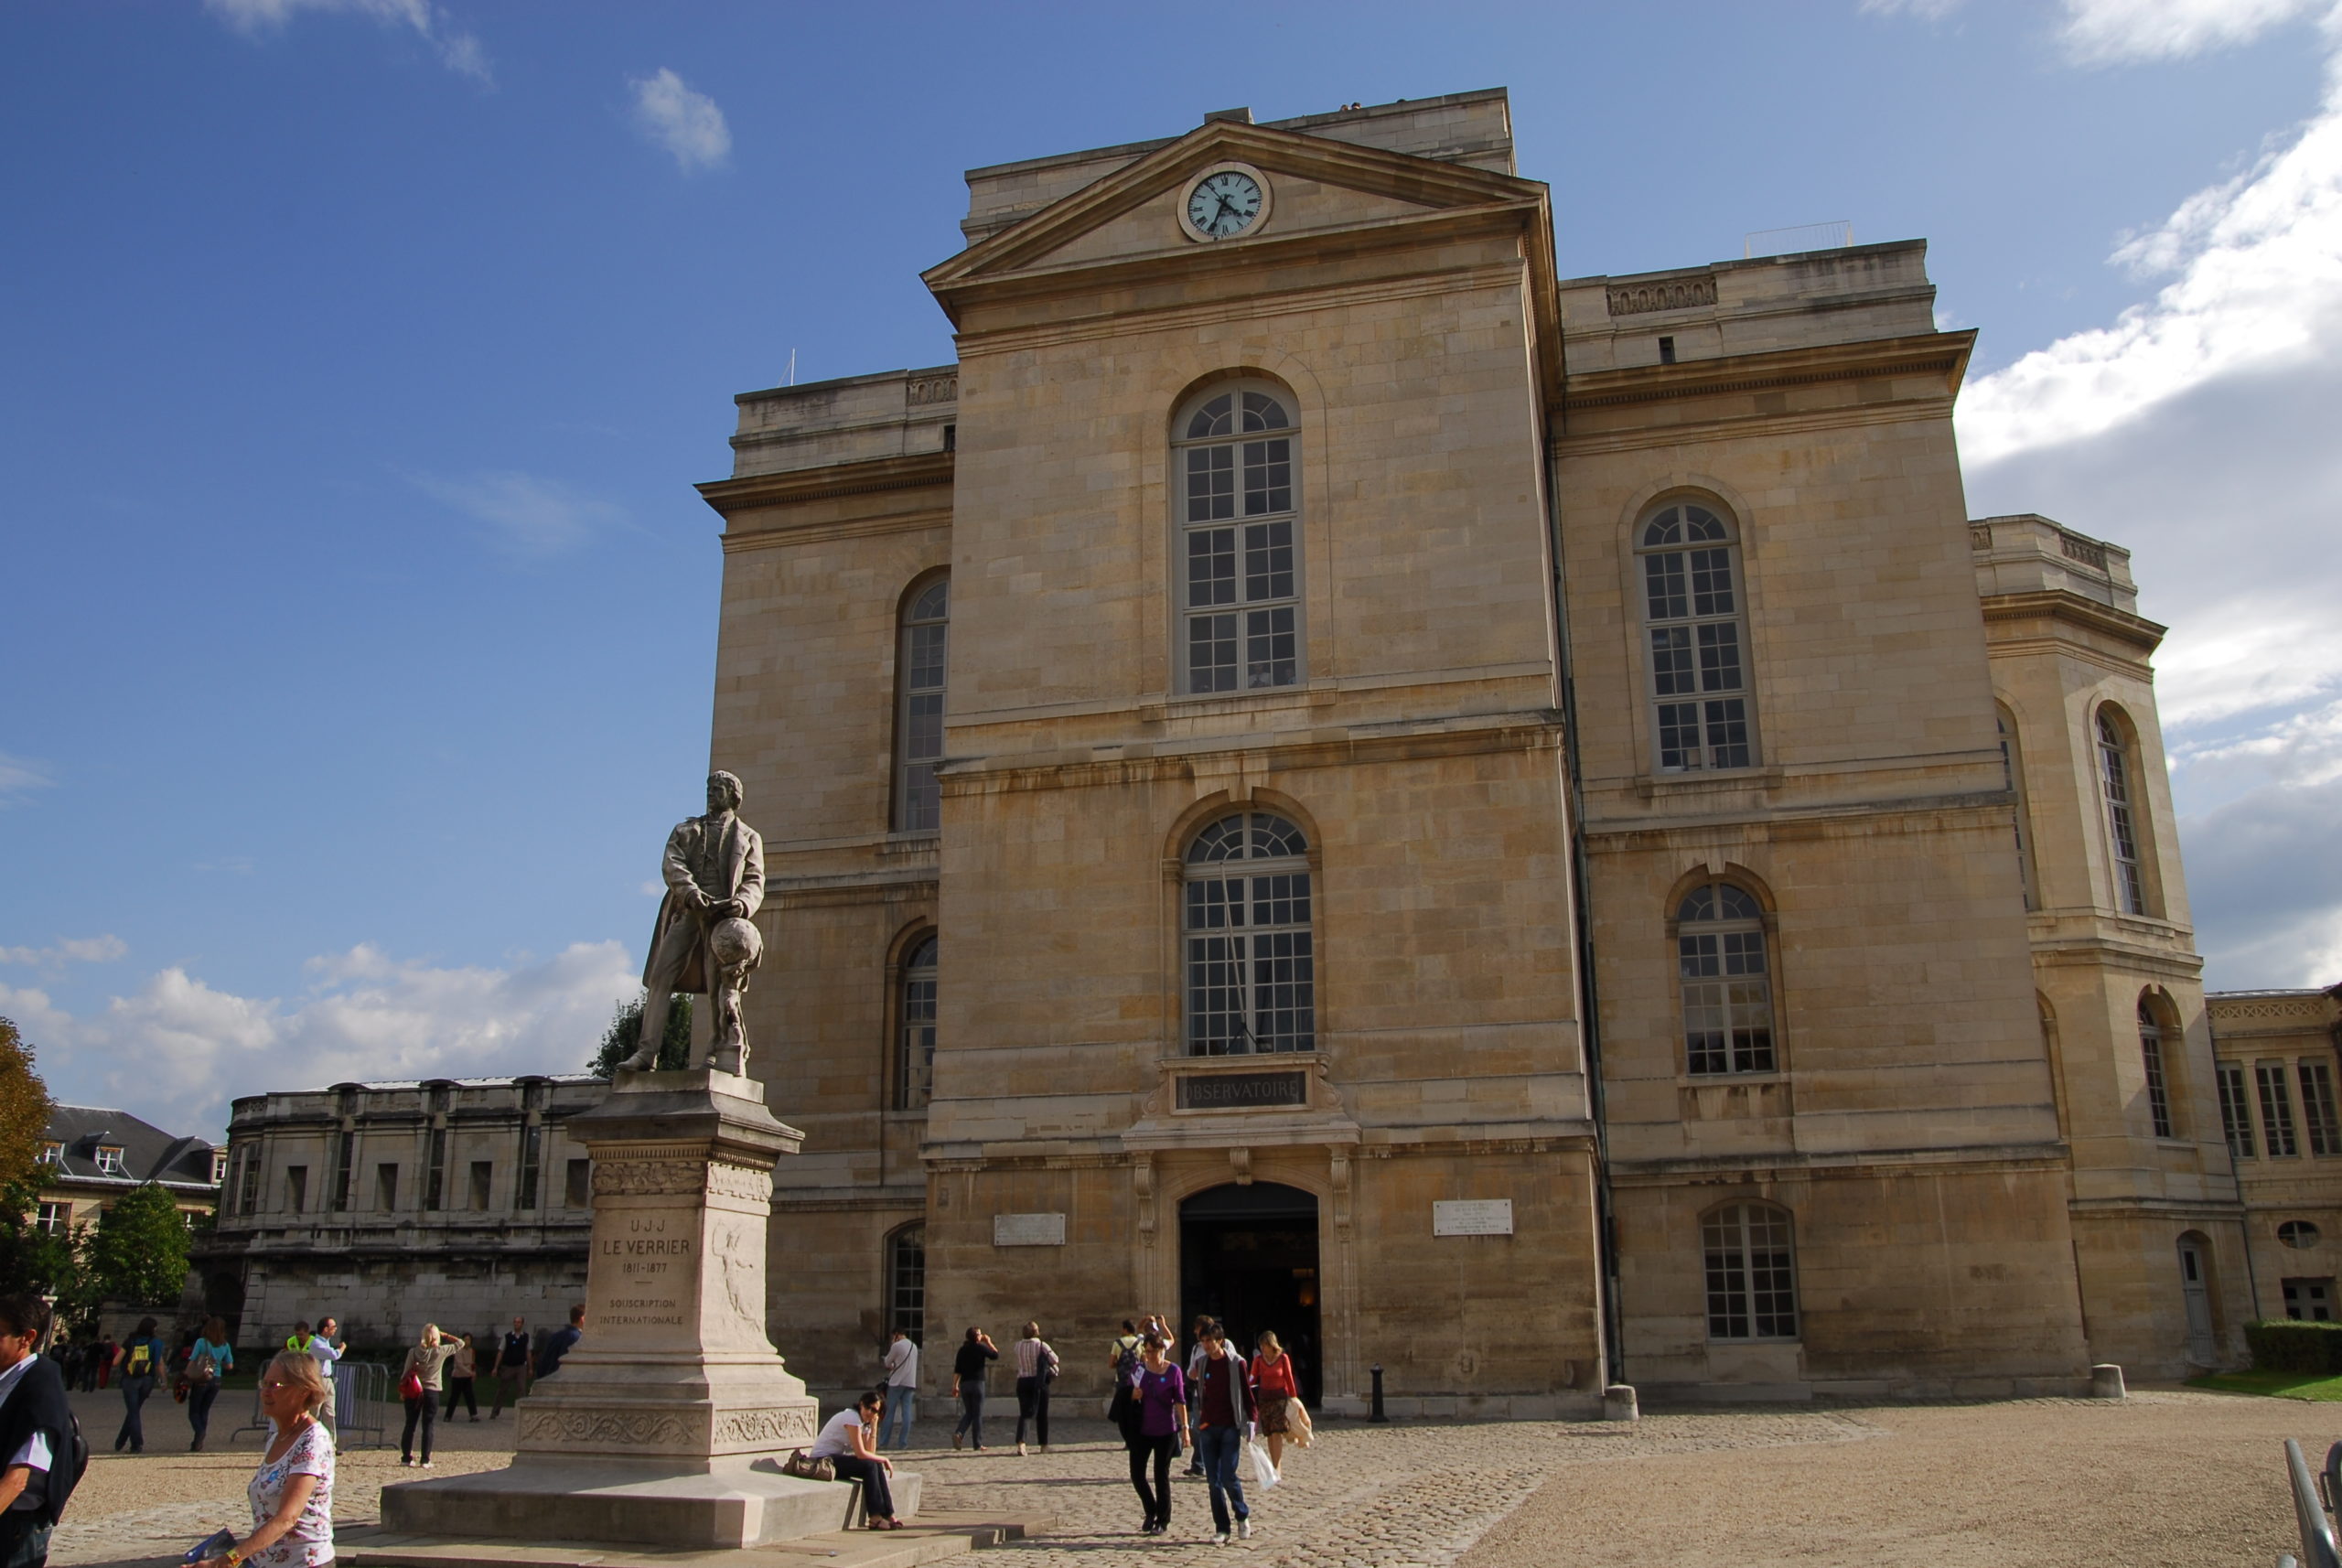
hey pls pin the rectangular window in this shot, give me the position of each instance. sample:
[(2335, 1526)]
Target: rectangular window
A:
[(2277, 1109), (532, 1151), (2310, 1301), (51, 1153), (1240, 581), (2236, 1111), (296, 1187), (54, 1218), (578, 1191), (1667, 351), (219, 1167), (2317, 1108), (483, 1176), (109, 1160), (2158, 1092), (345, 1149), (250, 1199), (435, 1176), (386, 1188), (1727, 1005)]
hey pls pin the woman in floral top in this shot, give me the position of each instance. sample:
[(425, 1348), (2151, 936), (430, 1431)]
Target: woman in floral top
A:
[(292, 1497)]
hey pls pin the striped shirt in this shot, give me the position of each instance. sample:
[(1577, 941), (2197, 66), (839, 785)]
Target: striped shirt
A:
[(1032, 1355)]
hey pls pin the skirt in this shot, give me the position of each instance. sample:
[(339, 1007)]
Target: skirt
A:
[(1272, 1409)]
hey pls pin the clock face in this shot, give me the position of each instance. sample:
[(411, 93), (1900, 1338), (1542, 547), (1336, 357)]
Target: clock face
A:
[(1224, 204)]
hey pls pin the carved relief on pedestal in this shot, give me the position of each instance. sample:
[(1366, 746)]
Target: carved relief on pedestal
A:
[(765, 1428), (634, 1428), (747, 1182), (648, 1178)]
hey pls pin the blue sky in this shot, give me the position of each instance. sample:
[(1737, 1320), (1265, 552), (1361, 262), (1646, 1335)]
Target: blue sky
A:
[(360, 355)]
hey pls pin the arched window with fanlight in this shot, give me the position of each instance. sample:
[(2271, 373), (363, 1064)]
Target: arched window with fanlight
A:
[(2119, 785), (1250, 952), (2152, 1034), (918, 707), (1237, 558), (1751, 1264), (1727, 986), (1695, 618), (915, 1026)]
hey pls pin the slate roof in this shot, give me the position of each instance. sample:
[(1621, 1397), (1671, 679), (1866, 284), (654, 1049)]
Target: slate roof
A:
[(148, 1154)]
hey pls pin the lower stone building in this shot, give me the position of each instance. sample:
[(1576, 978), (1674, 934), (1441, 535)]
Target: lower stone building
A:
[(393, 1205), (2278, 1054)]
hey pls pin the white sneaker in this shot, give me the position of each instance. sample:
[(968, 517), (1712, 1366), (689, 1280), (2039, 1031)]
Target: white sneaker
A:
[(1220, 1539), (1244, 1530)]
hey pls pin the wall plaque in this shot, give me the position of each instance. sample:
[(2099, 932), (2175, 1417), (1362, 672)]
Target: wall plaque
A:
[(1243, 1091), (1028, 1230), (1472, 1216)]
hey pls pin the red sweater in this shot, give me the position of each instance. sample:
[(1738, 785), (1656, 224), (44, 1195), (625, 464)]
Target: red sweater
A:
[(1275, 1379)]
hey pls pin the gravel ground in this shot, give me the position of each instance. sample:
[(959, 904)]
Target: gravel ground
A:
[(2168, 1477)]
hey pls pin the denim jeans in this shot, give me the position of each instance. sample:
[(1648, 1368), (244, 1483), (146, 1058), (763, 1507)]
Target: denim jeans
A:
[(423, 1413), (1218, 1447), (134, 1399), (199, 1400), (902, 1411), (877, 1498), (1033, 1405), (971, 1412)]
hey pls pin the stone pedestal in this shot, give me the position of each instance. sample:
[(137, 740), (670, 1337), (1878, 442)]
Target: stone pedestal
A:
[(668, 1423)]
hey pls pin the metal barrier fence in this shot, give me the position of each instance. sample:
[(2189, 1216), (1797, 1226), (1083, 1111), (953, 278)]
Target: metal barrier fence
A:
[(364, 1395), (2313, 1496)]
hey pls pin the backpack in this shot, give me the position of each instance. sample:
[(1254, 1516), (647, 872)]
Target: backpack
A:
[(70, 1477), (142, 1359)]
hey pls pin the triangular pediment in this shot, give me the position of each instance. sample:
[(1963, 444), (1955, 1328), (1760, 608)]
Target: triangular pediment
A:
[(1317, 186)]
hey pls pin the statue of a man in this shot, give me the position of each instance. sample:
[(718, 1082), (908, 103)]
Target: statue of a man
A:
[(706, 941)]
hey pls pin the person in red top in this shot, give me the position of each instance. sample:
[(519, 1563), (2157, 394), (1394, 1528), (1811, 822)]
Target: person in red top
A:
[(1223, 1420), (1274, 1390)]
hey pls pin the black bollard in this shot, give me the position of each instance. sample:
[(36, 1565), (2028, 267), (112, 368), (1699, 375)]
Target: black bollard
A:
[(1377, 1414)]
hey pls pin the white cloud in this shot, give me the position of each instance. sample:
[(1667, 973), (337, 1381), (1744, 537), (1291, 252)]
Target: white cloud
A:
[(2111, 31), (1929, 10), (69, 949), (177, 1052), (20, 779), (458, 50), (527, 516), (685, 122)]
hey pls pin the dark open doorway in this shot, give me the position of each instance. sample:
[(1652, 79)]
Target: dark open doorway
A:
[(1248, 1256)]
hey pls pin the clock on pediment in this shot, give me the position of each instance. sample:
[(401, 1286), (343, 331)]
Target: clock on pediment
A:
[(1224, 202)]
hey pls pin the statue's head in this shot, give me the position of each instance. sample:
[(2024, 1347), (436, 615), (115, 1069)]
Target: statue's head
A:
[(724, 792)]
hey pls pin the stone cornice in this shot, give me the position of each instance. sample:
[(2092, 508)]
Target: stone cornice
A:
[(2064, 604), (1931, 353), (1789, 1165), (729, 496)]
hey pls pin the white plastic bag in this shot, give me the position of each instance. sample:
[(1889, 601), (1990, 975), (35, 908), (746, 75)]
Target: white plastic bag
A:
[(1264, 1473)]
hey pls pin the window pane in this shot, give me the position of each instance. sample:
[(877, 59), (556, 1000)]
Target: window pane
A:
[(1701, 525), (1223, 840), (1211, 483), (1263, 411), (1663, 587), (1268, 561), (1282, 985), (1712, 582), (915, 1064), (1281, 900), (1214, 905), (1268, 477), (2276, 1111), (2317, 1108), (1216, 996), (1728, 733), (1215, 418), (923, 668), (2236, 1111), (1211, 567), (1211, 654), (1679, 735), (1272, 651), (2158, 1096), (1720, 657), (1664, 528), (1273, 836), (1671, 661), (922, 801)]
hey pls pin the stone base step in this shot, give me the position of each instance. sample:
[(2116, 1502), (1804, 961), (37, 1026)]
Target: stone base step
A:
[(936, 1536)]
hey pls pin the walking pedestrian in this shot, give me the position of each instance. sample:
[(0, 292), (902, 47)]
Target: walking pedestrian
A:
[(511, 1368), (901, 1362), (37, 1434), (462, 1368), (292, 1492), (1037, 1368), (1275, 1390), (211, 1359), (1224, 1420), (847, 1444), (1157, 1424), (139, 1359), (968, 1385), (419, 1386), (326, 1349), (560, 1342), (107, 1350), (1196, 1388)]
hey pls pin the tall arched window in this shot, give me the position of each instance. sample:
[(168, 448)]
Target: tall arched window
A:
[(919, 708), (1727, 991), (2118, 782), (2013, 776), (915, 1031), (1752, 1272), (2151, 1039), (1252, 963), (1238, 557), (907, 1281), (1697, 621)]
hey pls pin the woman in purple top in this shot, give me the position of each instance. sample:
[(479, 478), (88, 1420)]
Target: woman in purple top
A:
[(1162, 1428)]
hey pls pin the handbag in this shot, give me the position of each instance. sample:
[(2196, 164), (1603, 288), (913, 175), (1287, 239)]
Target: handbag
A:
[(411, 1386), (805, 1469)]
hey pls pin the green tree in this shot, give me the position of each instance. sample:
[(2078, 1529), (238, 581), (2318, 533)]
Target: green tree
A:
[(31, 1258), (25, 1108), (139, 1253), (626, 1029)]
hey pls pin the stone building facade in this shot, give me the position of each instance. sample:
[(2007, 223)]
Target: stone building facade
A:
[(91, 1155), (389, 1206), (2277, 1054), (1326, 774)]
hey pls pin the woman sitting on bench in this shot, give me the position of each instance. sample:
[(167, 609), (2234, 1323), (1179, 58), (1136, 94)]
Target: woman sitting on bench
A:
[(849, 1443)]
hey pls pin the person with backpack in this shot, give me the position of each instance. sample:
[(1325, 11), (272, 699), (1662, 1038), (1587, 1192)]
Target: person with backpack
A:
[(210, 1359), (139, 1359), (45, 1454)]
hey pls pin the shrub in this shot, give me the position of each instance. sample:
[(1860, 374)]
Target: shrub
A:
[(2283, 1344)]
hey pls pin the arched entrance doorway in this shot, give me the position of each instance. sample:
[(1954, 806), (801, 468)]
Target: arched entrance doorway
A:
[(1248, 1256)]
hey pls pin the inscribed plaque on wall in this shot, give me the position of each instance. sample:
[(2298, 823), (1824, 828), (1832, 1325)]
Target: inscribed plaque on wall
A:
[(1241, 1090), (1472, 1216), (1028, 1230)]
